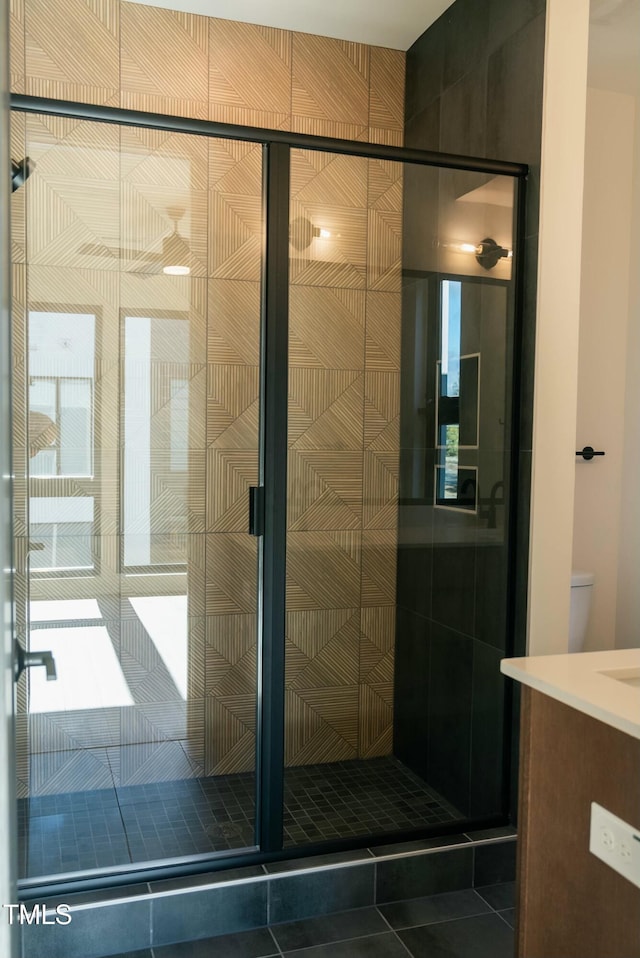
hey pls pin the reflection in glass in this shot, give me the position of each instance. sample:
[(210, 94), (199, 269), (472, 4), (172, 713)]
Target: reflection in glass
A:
[(156, 461), (61, 388), (150, 728)]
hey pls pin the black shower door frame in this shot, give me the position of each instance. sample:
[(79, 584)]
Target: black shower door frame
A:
[(272, 494)]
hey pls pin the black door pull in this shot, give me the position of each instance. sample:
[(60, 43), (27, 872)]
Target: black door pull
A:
[(588, 453), (256, 510)]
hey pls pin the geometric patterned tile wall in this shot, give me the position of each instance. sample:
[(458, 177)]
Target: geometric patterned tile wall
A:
[(148, 58), (127, 189), (343, 457)]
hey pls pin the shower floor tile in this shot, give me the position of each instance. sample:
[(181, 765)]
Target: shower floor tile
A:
[(74, 831), (368, 796)]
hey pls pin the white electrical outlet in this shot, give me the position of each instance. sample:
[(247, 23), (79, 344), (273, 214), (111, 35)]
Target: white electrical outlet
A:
[(615, 842)]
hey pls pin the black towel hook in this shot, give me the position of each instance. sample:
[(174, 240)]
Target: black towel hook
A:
[(588, 453)]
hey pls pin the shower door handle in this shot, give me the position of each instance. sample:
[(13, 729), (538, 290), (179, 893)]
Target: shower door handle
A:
[(26, 660), (256, 510)]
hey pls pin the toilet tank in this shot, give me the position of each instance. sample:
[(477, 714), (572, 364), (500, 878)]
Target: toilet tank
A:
[(581, 591)]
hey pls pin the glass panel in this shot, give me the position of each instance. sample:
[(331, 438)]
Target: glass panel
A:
[(398, 463), (143, 343)]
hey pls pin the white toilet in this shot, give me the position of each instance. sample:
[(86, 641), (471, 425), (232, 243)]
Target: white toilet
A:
[(581, 590)]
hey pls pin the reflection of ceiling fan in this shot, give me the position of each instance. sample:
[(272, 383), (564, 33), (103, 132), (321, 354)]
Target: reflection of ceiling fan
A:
[(173, 258)]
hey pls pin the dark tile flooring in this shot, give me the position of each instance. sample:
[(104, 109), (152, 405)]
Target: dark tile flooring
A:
[(460, 924), (76, 831)]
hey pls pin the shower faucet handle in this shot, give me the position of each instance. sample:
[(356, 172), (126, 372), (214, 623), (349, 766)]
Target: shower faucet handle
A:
[(26, 660)]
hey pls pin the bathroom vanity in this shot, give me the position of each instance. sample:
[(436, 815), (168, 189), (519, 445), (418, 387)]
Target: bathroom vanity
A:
[(580, 743)]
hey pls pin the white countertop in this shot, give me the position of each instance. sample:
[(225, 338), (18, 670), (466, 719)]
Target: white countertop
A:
[(578, 681)]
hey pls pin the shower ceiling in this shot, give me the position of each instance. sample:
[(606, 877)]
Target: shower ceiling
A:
[(377, 22)]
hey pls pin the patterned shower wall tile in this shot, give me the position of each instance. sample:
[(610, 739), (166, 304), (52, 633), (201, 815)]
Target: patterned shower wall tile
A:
[(231, 573), (326, 327), (235, 235), (235, 210), (164, 61), (381, 411), (229, 732), (162, 159), (329, 179), (72, 214), (337, 261), (384, 317), (19, 337), (232, 406), (92, 296), (384, 249), (20, 595), (163, 226), (386, 137), (386, 90), (182, 301), (195, 688), (231, 655), (73, 771), (22, 745), (233, 329), (74, 730), (379, 548), (18, 199), (193, 743), (257, 97), (149, 762), (94, 499), (327, 660), (380, 501), (375, 720), (16, 46), (377, 644), (324, 489), (97, 555), (230, 473), (330, 128), (195, 579), (235, 167), (148, 725), (73, 55), (323, 570), (330, 79), (308, 632), (321, 725), (163, 409), (328, 220), (162, 659), (325, 409)]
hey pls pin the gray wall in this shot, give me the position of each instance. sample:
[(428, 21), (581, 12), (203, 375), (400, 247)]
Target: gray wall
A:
[(473, 86)]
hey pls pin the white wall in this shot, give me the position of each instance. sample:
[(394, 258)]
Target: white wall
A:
[(603, 355), (556, 374), (628, 606)]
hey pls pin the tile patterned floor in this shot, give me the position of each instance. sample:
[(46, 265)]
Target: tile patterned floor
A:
[(75, 831), (460, 924)]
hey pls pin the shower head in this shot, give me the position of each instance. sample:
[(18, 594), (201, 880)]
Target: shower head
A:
[(20, 172)]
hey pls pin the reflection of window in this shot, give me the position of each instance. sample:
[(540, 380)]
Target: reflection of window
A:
[(61, 439), (457, 406), (61, 410), (61, 393), (156, 443), (62, 530)]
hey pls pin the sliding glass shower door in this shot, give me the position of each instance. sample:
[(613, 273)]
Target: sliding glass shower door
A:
[(137, 338), (401, 329), (263, 446)]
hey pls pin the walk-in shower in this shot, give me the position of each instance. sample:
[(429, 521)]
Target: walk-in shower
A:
[(262, 434)]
